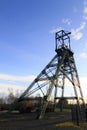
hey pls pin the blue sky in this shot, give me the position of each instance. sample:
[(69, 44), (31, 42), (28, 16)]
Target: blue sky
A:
[(27, 38)]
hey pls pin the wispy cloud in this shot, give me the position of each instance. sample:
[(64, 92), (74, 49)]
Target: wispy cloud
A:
[(83, 55), (77, 33), (4, 89), (56, 30), (14, 82), (67, 21), (86, 44), (85, 7), (20, 88), (85, 10), (85, 17), (17, 78)]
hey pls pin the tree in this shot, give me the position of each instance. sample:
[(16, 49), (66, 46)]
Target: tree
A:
[(11, 97), (1, 101)]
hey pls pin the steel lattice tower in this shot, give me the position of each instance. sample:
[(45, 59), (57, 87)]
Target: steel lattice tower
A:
[(60, 72)]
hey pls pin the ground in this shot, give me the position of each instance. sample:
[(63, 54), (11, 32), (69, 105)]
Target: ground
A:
[(28, 121)]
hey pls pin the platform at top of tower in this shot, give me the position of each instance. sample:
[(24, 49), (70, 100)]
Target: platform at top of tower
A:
[(62, 50)]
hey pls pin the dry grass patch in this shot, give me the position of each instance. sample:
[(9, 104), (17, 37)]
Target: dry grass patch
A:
[(68, 126)]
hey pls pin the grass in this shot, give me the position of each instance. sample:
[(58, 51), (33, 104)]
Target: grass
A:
[(84, 125), (64, 110), (69, 126), (52, 124)]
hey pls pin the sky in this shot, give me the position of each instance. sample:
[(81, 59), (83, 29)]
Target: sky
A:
[(27, 39)]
